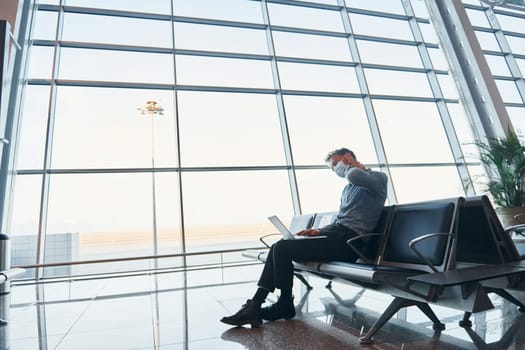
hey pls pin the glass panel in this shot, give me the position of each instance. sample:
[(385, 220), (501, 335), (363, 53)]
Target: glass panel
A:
[(338, 122), (517, 45), (521, 65), (511, 23), (217, 38), (167, 208), (40, 62), (315, 198), (213, 223), (194, 70), (438, 59), (463, 131), (391, 6), (326, 2), (116, 30), (380, 27), (152, 6), (448, 86), (385, 82), (427, 142), (428, 32), (412, 184), (487, 41), (398, 55), (419, 8), (297, 76), (25, 218), (497, 65), (311, 46), (122, 66), (517, 116), (45, 25), (102, 128), (245, 11), (509, 91), (240, 129), (101, 215), (477, 18), (24, 221), (33, 128), (303, 17)]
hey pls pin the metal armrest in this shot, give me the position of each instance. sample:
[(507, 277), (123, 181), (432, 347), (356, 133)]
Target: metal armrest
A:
[(518, 229), (412, 245), (518, 216), (360, 254), (266, 236)]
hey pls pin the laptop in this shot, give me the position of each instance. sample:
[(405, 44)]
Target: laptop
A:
[(284, 230)]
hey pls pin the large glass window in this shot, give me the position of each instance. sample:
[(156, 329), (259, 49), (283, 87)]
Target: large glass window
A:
[(238, 135)]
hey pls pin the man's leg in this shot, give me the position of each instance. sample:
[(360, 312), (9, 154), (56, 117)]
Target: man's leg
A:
[(283, 254)]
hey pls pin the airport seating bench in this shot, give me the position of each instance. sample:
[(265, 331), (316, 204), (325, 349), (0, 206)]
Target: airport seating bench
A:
[(418, 253)]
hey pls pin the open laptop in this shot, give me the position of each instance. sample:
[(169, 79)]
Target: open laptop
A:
[(285, 232)]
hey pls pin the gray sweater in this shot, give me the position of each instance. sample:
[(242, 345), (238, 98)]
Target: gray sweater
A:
[(362, 200)]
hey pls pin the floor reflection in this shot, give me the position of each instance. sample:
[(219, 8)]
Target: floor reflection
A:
[(182, 311)]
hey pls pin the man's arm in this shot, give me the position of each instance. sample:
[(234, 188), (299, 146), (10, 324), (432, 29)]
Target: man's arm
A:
[(363, 178)]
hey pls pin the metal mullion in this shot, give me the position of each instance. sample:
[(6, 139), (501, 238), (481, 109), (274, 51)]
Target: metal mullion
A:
[(308, 31), (44, 196), (444, 114), (292, 178), (26, 14), (508, 56), (305, 4), (314, 61), (367, 101)]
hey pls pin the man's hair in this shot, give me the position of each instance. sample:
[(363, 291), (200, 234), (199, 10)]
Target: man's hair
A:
[(339, 152)]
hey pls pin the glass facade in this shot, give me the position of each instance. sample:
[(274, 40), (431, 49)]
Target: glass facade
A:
[(253, 95)]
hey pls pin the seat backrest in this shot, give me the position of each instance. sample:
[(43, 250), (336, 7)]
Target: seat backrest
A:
[(410, 221), (372, 244), (481, 238), (301, 222), (324, 218)]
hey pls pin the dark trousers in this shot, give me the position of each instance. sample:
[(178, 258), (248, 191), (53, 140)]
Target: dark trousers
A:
[(278, 269)]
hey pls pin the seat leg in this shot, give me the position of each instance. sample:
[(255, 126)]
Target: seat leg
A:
[(505, 295), (437, 326), (466, 322), (391, 310), (303, 280), (2, 322)]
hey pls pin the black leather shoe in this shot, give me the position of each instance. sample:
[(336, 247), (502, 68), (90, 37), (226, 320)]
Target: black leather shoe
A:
[(248, 314), (281, 309)]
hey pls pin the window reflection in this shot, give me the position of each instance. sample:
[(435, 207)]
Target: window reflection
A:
[(380, 27), (385, 82), (419, 120), (123, 66), (338, 122), (412, 184), (102, 128), (311, 46), (297, 76), (225, 208), (222, 129)]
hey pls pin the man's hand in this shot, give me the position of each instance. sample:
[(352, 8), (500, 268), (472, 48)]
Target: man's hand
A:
[(309, 232)]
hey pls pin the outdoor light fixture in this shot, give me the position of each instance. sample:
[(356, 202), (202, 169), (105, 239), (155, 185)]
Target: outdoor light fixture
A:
[(151, 108)]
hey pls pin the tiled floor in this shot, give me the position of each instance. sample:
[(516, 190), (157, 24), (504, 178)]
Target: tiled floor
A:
[(182, 311)]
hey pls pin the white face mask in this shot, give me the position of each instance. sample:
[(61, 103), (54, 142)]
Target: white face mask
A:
[(341, 168)]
